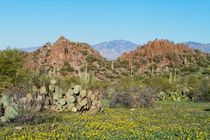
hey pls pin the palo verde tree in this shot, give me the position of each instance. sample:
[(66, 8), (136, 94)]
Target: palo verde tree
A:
[(11, 64)]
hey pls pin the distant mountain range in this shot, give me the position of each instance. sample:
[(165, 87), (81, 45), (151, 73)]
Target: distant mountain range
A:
[(30, 49), (113, 49), (200, 46)]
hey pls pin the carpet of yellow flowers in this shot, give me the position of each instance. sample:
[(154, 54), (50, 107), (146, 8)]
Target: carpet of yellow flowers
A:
[(164, 121)]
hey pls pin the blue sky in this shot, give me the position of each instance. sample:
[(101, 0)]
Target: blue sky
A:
[(30, 23)]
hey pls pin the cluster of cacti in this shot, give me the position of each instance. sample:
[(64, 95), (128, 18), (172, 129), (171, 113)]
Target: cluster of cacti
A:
[(50, 97), (8, 110), (76, 100)]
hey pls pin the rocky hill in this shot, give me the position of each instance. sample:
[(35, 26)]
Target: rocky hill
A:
[(159, 56), (65, 57)]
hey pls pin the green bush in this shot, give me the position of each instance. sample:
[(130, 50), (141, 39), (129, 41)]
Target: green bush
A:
[(161, 83), (128, 82), (67, 68), (11, 68), (35, 78), (90, 59), (97, 84)]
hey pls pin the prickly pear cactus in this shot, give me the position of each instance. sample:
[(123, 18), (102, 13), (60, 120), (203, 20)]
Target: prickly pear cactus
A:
[(83, 93), (70, 99), (53, 81), (77, 90), (1, 110), (43, 90), (10, 111), (51, 97), (52, 88)]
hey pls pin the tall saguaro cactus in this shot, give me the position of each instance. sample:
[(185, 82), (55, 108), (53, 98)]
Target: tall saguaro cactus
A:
[(173, 76), (112, 66), (85, 79), (185, 60)]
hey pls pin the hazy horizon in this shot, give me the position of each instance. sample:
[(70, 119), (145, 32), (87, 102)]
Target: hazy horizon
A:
[(33, 23)]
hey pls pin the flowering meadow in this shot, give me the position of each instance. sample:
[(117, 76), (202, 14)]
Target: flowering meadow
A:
[(167, 120)]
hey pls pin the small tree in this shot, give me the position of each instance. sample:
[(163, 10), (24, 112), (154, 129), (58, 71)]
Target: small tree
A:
[(11, 67)]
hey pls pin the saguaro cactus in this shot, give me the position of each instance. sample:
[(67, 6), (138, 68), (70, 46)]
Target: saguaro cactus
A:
[(112, 66), (173, 76)]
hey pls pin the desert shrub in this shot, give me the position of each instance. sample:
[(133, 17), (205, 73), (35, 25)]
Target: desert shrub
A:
[(34, 118), (35, 78), (71, 81), (172, 56), (205, 71), (161, 83), (67, 67), (84, 52), (135, 97), (11, 68), (203, 62), (199, 88), (97, 84), (90, 59), (197, 51), (129, 82), (205, 90), (158, 59)]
